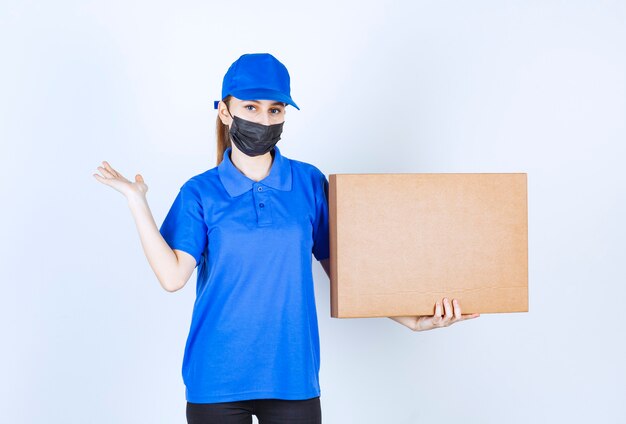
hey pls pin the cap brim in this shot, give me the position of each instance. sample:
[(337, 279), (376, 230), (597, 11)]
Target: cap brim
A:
[(264, 94)]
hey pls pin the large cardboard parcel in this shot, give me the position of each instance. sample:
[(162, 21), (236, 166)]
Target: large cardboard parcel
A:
[(400, 242)]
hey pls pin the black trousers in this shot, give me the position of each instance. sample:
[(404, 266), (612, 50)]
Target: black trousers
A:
[(267, 411)]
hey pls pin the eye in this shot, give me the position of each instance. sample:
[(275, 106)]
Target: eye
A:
[(247, 106), (276, 111)]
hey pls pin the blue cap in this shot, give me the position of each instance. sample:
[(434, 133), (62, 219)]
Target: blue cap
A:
[(257, 76)]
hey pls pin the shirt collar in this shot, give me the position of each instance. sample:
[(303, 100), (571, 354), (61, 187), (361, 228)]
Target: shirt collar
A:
[(236, 183)]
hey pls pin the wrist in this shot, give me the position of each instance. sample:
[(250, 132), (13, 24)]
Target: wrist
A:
[(136, 199)]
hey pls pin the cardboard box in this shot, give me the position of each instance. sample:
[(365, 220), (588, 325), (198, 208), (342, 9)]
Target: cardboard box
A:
[(400, 242)]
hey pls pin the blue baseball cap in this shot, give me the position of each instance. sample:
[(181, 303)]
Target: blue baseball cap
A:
[(257, 76)]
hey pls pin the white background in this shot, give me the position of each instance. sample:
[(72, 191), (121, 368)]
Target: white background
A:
[(88, 334)]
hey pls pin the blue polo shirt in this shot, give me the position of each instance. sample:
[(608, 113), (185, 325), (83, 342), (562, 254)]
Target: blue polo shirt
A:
[(254, 331)]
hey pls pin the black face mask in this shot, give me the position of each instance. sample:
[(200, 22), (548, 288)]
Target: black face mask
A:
[(252, 138)]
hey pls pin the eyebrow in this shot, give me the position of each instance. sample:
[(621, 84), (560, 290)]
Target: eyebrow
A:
[(273, 104)]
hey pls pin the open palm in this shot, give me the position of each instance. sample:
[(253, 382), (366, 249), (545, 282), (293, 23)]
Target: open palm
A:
[(114, 179)]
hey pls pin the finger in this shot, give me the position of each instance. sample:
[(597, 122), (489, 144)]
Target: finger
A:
[(101, 178), (470, 316), (139, 178), (106, 173), (114, 172), (437, 309), (105, 180), (447, 308), (110, 169), (437, 316), (457, 309)]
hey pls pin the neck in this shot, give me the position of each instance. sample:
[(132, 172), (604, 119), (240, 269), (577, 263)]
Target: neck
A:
[(254, 167)]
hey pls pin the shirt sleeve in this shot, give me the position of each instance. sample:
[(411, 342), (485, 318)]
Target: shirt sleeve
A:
[(321, 243), (184, 227)]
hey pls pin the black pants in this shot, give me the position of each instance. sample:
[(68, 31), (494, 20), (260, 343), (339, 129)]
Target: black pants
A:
[(267, 411)]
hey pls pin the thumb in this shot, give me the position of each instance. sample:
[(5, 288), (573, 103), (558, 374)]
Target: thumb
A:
[(139, 178)]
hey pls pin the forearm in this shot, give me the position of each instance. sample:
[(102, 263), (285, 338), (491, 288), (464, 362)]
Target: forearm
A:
[(161, 257)]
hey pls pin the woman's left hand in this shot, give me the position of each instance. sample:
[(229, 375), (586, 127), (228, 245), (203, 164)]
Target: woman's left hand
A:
[(448, 318)]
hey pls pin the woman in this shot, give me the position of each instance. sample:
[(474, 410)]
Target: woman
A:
[(250, 225)]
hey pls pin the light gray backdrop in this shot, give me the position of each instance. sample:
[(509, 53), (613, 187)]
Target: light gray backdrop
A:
[(88, 335)]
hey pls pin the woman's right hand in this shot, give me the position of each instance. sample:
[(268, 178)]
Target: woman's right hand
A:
[(114, 179)]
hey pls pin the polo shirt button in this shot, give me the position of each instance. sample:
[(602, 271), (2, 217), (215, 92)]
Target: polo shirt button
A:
[(262, 205), (260, 188)]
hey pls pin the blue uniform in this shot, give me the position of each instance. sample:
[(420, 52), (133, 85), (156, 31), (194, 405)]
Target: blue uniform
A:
[(254, 331)]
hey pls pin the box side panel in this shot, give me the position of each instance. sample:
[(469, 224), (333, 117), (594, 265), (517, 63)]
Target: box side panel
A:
[(332, 211)]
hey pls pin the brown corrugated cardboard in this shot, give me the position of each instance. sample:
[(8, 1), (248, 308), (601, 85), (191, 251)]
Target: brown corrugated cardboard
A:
[(400, 242)]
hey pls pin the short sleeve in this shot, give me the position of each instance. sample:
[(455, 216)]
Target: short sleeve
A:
[(321, 243), (184, 227)]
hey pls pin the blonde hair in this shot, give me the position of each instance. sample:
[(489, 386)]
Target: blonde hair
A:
[(222, 135)]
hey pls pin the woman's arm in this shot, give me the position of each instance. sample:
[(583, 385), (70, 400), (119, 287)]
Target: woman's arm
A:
[(423, 323), (171, 267)]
